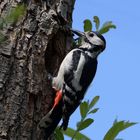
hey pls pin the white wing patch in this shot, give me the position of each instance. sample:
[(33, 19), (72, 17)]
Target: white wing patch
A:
[(64, 67)]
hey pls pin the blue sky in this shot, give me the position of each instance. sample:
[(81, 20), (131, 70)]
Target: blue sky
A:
[(117, 80)]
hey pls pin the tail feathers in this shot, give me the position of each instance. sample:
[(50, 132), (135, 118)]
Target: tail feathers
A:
[(50, 121), (46, 120)]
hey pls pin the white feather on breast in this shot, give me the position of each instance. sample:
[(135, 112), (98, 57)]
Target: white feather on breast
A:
[(64, 67)]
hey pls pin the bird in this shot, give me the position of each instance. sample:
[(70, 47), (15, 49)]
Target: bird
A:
[(74, 76)]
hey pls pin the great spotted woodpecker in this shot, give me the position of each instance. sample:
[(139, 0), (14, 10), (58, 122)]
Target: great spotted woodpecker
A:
[(75, 74)]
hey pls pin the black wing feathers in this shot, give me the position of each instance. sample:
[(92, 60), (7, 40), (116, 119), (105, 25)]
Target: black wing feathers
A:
[(70, 74), (89, 71)]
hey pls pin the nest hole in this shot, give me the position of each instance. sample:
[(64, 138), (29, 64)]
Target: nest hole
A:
[(55, 52)]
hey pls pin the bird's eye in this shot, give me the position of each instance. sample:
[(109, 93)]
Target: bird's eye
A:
[(91, 34)]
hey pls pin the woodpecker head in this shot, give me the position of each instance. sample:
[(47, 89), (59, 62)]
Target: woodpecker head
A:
[(95, 39)]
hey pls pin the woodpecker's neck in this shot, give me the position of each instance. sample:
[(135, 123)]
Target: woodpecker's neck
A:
[(89, 50)]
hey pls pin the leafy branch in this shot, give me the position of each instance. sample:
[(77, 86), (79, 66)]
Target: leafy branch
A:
[(103, 29), (88, 26), (87, 108), (117, 127), (12, 17)]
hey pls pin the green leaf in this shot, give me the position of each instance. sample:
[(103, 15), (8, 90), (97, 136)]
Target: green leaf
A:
[(58, 134), (106, 27), (85, 124), (97, 22), (94, 101), (116, 129), (2, 38), (83, 109), (1, 22), (115, 121), (15, 14), (71, 132), (87, 25), (78, 123), (12, 17), (93, 111)]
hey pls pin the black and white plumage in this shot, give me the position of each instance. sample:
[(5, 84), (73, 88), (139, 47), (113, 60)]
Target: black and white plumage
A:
[(77, 71)]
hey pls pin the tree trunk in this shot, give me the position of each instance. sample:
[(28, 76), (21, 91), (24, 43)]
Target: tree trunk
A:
[(36, 45)]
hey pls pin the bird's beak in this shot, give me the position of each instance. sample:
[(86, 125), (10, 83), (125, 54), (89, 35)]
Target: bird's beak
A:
[(78, 32)]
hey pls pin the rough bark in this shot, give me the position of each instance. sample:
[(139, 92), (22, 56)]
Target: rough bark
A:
[(36, 45)]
